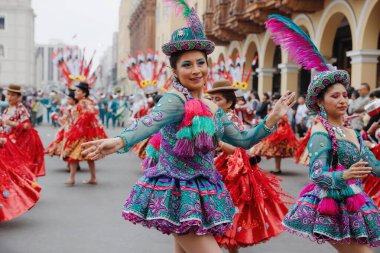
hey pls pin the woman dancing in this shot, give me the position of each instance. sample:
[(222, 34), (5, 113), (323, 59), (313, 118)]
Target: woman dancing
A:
[(182, 194), (333, 206), (256, 194)]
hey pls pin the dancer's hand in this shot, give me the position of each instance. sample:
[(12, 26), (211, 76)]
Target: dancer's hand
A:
[(95, 150), (357, 170), (281, 108)]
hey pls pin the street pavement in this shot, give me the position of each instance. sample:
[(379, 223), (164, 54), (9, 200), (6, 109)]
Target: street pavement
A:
[(87, 218)]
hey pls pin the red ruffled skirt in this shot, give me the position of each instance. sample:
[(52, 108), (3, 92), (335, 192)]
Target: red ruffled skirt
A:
[(86, 128), (282, 143), (301, 155), (371, 183), (19, 191), (55, 148), (30, 144), (258, 198)]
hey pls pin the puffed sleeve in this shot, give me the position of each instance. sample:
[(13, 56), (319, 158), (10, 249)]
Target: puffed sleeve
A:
[(169, 109), (243, 139), (319, 147)]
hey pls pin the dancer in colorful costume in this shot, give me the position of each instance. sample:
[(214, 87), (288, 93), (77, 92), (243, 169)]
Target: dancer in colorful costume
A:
[(85, 127), (66, 121), (17, 126), (281, 144), (333, 207), (182, 193), (256, 195)]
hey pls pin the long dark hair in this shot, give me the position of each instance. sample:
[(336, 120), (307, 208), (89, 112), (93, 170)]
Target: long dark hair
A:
[(329, 129)]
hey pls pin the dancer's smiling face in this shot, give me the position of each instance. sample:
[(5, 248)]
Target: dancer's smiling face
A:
[(191, 69)]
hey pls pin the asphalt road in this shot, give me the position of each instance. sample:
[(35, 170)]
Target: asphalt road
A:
[(87, 218)]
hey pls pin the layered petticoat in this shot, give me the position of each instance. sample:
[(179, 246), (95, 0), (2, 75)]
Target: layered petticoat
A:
[(362, 227), (282, 143), (258, 198), (180, 206), (19, 191)]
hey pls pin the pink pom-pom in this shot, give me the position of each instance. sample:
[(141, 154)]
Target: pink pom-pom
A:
[(155, 141), (307, 188), (354, 203), (328, 206)]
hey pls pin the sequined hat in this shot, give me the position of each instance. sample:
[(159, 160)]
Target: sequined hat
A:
[(188, 38), (321, 81)]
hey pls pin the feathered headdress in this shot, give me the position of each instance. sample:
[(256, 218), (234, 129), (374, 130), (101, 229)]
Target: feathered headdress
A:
[(303, 51), (294, 40)]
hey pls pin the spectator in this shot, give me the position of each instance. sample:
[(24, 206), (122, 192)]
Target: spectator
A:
[(262, 110), (357, 106), (301, 116)]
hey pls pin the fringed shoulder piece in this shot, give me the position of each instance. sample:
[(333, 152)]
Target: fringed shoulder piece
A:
[(196, 130)]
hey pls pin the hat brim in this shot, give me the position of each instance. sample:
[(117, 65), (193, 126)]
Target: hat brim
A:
[(15, 91), (211, 91), (321, 82), (187, 45)]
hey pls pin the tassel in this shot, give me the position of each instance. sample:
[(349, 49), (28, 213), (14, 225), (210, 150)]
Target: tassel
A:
[(354, 203), (184, 148), (328, 206), (307, 188), (203, 142)]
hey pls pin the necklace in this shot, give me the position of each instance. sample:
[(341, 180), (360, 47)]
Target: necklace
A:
[(339, 131)]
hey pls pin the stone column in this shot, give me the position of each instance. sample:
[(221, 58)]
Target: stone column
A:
[(265, 80), (364, 67), (289, 77)]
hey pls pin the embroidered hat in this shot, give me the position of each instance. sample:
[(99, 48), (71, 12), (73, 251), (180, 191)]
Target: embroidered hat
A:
[(191, 37), (321, 81)]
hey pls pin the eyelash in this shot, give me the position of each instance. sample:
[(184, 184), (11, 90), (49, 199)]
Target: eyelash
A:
[(185, 65)]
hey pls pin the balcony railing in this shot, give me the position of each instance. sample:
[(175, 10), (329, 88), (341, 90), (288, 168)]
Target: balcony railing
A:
[(228, 20)]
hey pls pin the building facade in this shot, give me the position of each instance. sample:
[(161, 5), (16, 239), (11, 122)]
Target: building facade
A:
[(17, 47), (142, 26), (345, 32)]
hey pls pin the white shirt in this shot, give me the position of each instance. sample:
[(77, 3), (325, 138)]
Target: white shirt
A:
[(301, 113)]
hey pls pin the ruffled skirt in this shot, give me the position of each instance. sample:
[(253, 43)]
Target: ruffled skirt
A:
[(282, 143), (30, 144), (177, 206), (19, 190), (258, 197), (361, 227)]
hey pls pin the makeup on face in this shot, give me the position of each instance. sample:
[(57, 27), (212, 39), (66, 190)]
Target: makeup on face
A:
[(192, 70)]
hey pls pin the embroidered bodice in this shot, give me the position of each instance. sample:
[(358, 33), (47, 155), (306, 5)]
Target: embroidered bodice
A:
[(17, 114), (320, 153), (167, 116)]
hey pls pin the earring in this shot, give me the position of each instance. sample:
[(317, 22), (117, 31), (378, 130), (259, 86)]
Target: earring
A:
[(323, 111)]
